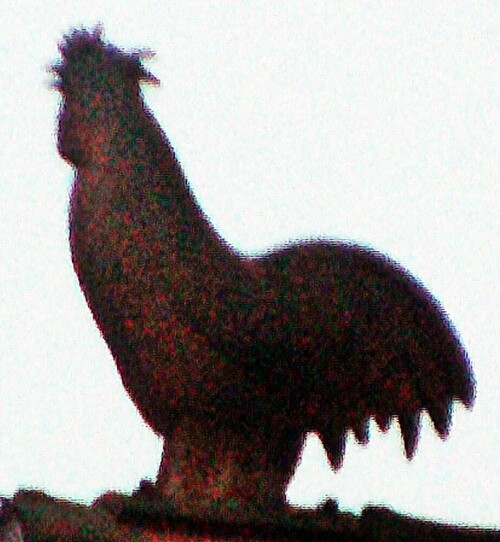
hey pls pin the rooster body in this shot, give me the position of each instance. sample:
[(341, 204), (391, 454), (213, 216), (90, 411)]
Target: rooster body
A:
[(234, 359)]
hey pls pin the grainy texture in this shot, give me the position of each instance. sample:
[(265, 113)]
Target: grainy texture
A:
[(234, 359)]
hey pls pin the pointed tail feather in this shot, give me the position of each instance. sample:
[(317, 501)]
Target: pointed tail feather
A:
[(467, 393), (410, 431), (335, 447), (362, 431), (383, 421), (440, 413)]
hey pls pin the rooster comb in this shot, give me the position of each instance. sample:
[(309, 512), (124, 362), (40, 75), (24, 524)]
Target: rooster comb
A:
[(82, 49)]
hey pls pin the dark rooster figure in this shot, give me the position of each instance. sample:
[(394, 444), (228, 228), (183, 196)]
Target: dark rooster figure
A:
[(233, 359)]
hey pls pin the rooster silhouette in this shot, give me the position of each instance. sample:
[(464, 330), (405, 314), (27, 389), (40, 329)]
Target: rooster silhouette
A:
[(233, 359)]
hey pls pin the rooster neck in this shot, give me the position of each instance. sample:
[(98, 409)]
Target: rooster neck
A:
[(138, 235)]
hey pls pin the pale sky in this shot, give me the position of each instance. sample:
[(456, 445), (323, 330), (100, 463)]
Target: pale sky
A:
[(373, 122)]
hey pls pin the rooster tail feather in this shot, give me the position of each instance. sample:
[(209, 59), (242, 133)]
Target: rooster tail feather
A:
[(335, 447), (409, 425), (362, 431), (440, 413), (383, 421)]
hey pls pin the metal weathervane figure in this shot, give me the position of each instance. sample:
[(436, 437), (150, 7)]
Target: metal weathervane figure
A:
[(234, 359)]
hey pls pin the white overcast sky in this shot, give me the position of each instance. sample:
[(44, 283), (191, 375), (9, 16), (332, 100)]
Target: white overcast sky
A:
[(370, 121)]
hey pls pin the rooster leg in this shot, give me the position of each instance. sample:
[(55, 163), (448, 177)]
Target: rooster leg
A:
[(227, 475)]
